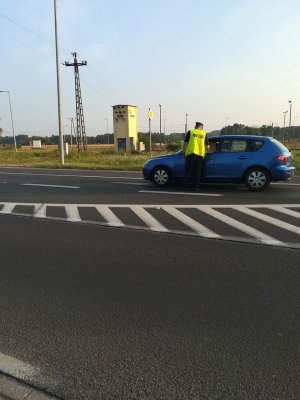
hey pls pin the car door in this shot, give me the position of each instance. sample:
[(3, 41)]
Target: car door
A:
[(232, 158), (208, 170), (179, 166)]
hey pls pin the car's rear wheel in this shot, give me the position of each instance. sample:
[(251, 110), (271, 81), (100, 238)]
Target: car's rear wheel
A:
[(161, 176), (257, 179)]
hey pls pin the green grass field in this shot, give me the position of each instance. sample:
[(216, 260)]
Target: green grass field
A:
[(91, 159)]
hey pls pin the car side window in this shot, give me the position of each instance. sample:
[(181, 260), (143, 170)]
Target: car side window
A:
[(239, 145), (226, 146), (213, 146), (254, 145)]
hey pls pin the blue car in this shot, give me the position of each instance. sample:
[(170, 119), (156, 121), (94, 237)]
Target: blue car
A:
[(251, 160)]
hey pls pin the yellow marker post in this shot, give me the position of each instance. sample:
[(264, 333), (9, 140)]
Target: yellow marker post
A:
[(150, 116)]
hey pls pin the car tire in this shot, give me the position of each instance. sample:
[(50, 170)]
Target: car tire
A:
[(257, 179), (161, 176)]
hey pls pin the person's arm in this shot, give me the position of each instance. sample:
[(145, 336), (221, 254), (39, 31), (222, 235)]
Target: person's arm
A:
[(185, 143), (207, 146)]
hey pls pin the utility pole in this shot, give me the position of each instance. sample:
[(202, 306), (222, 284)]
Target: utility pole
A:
[(61, 140), (186, 115), (11, 117), (160, 124), (71, 131), (290, 101), (107, 129), (80, 126), (284, 116)]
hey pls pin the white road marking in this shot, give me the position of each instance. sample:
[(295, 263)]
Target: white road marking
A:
[(40, 211), (286, 211), (8, 208), (131, 183), (72, 213), (183, 193), (149, 220), (270, 220), (266, 239), (55, 186), (110, 217), (285, 184), (200, 229), (16, 368), (70, 176)]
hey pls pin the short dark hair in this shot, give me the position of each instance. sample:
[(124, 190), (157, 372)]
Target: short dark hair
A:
[(199, 123)]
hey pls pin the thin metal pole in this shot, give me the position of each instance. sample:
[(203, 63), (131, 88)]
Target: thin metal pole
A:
[(12, 123), (290, 119), (284, 116), (150, 139), (160, 124), (61, 141), (107, 129), (186, 115), (11, 118), (71, 131)]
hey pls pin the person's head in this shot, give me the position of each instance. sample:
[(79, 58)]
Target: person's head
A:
[(199, 125)]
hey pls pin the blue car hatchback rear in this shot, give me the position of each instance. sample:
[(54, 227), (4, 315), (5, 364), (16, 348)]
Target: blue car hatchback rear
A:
[(253, 160)]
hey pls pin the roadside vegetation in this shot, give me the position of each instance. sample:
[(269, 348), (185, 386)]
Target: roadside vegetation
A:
[(93, 158)]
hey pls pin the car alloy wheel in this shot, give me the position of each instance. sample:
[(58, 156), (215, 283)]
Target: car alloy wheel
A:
[(257, 179), (161, 176)]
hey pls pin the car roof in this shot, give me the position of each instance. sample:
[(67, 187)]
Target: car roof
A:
[(256, 137)]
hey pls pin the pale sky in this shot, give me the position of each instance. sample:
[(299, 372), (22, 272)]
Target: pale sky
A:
[(217, 61)]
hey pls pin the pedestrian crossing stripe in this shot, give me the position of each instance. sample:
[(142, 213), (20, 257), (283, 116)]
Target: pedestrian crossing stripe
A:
[(194, 228)]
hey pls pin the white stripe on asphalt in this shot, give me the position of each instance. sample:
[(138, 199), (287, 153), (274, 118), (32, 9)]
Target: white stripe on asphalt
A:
[(183, 193), (8, 208), (55, 186), (72, 176), (131, 183), (16, 368), (149, 220), (194, 225), (285, 184), (286, 211), (72, 213), (262, 237), (40, 210), (269, 220), (110, 217)]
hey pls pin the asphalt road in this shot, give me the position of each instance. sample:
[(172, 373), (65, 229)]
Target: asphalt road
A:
[(97, 312), (115, 187)]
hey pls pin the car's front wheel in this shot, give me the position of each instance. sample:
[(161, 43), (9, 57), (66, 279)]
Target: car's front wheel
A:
[(161, 176), (257, 179)]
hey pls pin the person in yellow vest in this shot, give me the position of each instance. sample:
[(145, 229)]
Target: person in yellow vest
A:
[(194, 146)]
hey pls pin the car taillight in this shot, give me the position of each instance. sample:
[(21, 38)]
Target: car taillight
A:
[(282, 158)]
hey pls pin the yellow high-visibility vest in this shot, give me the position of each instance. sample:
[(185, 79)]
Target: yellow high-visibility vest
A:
[(196, 143)]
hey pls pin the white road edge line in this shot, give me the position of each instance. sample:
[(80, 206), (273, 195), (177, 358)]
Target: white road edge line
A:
[(71, 176), (16, 368), (131, 183), (55, 186), (183, 193)]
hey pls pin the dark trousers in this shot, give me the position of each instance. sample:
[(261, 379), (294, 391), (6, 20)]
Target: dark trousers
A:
[(192, 169)]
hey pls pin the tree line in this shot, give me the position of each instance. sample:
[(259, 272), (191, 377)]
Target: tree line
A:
[(282, 134)]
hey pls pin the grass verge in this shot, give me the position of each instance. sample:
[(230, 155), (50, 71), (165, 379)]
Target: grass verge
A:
[(90, 159)]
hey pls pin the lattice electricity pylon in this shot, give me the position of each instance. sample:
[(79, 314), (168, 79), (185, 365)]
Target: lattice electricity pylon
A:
[(80, 126)]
